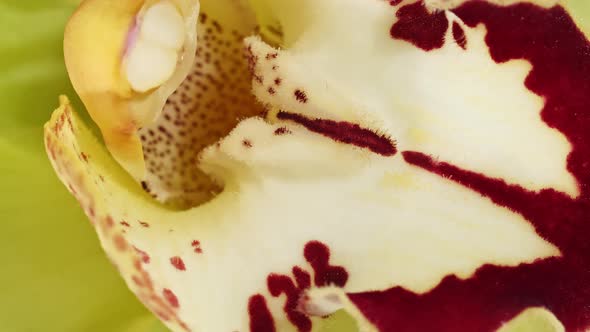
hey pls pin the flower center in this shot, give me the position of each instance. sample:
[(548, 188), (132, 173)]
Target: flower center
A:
[(213, 98)]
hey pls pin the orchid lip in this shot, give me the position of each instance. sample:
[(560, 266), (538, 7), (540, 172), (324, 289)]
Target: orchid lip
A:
[(426, 160)]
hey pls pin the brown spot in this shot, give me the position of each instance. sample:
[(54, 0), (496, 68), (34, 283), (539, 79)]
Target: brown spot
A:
[(301, 96), (247, 143), (282, 131)]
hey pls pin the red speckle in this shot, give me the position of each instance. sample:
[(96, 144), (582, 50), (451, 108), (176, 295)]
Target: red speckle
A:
[(144, 224), (318, 256), (260, 317), (282, 131), (301, 96), (171, 298), (109, 222), (419, 27), (178, 263), (395, 2), (125, 224), (197, 247), (247, 143), (164, 317), (459, 35), (345, 132), (120, 242), (271, 56), (145, 258), (137, 281), (91, 213), (272, 90), (278, 81)]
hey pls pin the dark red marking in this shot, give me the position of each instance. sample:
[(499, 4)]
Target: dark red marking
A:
[(301, 96), (317, 255), (125, 224), (260, 317), (144, 224), (459, 35), (345, 132), (560, 57), (145, 186), (419, 27), (120, 242), (247, 143), (282, 131), (178, 263), (197, 246), (171, 298), (272, 90), (279, 284), (395, 2), (145, 258)]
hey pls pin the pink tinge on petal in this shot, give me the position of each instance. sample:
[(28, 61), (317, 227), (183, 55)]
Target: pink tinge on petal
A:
[(132, 36), (560, 55)]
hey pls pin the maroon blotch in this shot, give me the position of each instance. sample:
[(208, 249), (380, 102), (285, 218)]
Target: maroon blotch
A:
[(317, 255), (560, 57), (279, 284), (459, 35), (261, 319), (419, 27), (345, 132)]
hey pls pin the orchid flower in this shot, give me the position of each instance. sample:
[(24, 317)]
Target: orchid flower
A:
[(268, 165)]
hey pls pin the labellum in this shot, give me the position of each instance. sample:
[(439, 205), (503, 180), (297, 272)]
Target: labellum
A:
[(421, 165)]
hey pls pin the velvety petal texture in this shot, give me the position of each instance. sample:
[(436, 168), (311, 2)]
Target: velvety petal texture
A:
[(422, 165)]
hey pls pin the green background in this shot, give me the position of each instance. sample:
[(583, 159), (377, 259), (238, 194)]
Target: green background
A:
[(54, 276)]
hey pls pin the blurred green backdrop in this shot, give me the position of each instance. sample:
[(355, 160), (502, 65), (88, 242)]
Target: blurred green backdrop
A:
[(54, 276)]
